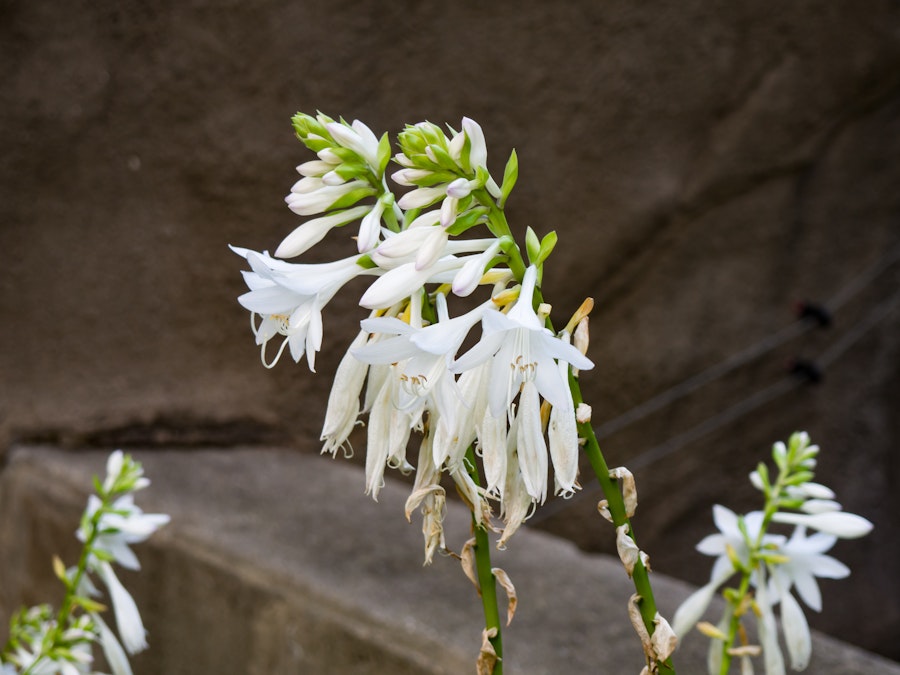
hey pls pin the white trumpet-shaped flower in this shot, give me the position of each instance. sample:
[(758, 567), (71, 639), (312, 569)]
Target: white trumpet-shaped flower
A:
[(313, 231), (562, 433), (290, 297), (403, 281), (343, 401), (522, 350), (730, 536), (124, 524), (806, 560), (311, 195), (837, 523)]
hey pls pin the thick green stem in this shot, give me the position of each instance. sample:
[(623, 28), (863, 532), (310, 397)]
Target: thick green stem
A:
[(486, 581), (616, 505)]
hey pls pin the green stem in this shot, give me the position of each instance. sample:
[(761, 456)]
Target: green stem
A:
[(53, 638), (773, 497), (486, 581), (616, 505)]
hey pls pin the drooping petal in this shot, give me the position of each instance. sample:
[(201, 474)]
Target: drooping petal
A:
[(796, 632), (128, 619), (691, 610), (112, 650), (530, 443), (562, 433)]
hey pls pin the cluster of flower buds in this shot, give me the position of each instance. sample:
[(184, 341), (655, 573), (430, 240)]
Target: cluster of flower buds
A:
[(507, 397), (773, 564), (47, 643)]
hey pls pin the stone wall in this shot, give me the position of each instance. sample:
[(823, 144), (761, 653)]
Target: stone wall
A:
[(705, 164)]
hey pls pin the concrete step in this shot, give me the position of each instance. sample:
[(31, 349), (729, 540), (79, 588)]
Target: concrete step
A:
[(276, 562)]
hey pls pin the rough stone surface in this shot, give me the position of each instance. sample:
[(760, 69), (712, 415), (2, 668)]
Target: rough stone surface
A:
[(275, 562), (705, 164)]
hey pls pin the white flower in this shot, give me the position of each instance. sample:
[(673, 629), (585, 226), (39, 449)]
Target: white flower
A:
[(388, 433), (806, 561), (343, 401), (562, 433), (310, 196), (469, 275), (358, 138), (290, 299), (521, 349), (128, 619), (403, 247), (401, 282), (313, 231), (838, 523), (796, 632), (530, 445), (422, 197), (768, 631), (370, 227), (115, 655), (125, 524), (691, 610), (478, 152), (730, 535)]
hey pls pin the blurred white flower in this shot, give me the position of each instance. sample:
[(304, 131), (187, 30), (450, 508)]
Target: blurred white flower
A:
[(806, 560), (115, 655), (837, 523), (128, 618), (125, 524)]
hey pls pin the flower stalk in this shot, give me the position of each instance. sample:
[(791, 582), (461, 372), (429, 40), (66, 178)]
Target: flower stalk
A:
[(487, 584), (640, 575)]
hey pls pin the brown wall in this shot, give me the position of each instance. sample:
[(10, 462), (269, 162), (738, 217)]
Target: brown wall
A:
[(704, 163)]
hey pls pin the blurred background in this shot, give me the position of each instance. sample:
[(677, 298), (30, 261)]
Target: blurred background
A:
[(709, 167)]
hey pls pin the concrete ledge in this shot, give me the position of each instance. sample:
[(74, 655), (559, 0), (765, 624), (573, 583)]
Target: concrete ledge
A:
[(275, 562)]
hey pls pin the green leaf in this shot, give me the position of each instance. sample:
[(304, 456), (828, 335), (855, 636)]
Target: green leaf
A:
[(351, 170), (763, 472), (799, 478), (366, 262), (548, 243), (88, 604), (467, 220), (384, 153), (443, 158), (510, 176), (352, 197)]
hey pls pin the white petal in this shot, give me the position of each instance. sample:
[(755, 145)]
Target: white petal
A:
[(531, 448), (128, 619), (112, 650), (691, 610), (562, 433), (838, 523), (768, 634), (313, 231), (113, 469), (478, 147), (796, 632)]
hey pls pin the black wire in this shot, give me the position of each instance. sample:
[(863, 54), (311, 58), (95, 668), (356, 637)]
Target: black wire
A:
[(752, 402)]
